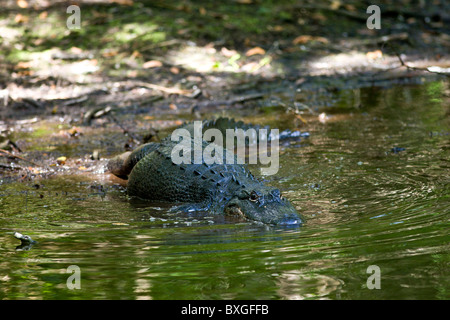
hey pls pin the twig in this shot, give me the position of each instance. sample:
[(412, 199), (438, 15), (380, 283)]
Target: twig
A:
[(33, 103), (348, 14), (427, 69), (75, 100), (125, 130), (165, 89), (9, 154), (7, 166), (239, 99)]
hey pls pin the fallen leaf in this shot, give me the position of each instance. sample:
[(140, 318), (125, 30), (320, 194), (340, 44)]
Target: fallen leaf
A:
[(254, 51), (19, 18), (74, 131), (123, 2), (110, 53), (61, 160), (173, 106), (82, 168), (227, 53), (250, 67), (373, 55), (136, 54), (23, 65), (175, 70), (307, 38), (152, 64), (38, 42), (76, 50), (335, 4), (350, 7), (132, 73), (318, 16), (277, 28), (43, 15), (22, 4)]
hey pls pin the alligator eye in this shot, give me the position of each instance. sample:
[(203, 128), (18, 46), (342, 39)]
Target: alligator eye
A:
[(253, 196)]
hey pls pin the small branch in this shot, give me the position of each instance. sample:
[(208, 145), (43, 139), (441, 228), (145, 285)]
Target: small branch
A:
[(75, 100), (427, 69), (235, 100), (7, 166), (165, 89), (9, 154), (125, 130)]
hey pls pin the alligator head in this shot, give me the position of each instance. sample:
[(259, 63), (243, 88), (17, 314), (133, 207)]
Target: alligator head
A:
[(264, 204)]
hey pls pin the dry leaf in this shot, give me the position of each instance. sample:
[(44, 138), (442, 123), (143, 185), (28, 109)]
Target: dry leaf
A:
[(123, 2), (76, 50), (173, 106), (22, 4), (19, 18), (250, 67), (307, 38), (335, 4), (254, 51), (23, 65), (74, 131), (152, 64), (227, 53), (373, 55), (136, 54), (132, 73), (82, 168), (350, 7), (277, 28), (43, 15), (175, 70), (61, 160), (109, 53)]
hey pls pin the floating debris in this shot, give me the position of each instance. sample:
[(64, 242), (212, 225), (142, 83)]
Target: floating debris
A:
[(397, 150), (26, 242)]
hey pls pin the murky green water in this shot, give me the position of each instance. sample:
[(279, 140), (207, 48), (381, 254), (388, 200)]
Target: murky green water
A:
[(366, 202)]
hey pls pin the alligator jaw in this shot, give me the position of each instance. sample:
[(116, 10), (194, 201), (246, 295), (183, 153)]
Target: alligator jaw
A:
[(279, 214), (234, 210)]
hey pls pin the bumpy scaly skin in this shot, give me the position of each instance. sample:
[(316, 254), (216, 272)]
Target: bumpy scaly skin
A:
[(219, 188)]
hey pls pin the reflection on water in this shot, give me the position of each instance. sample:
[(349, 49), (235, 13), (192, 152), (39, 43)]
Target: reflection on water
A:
[(372, 183)]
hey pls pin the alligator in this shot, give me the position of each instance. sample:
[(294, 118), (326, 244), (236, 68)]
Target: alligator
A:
[(218, 188)]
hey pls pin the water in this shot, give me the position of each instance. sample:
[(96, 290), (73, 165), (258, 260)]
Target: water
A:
[(372, 183)]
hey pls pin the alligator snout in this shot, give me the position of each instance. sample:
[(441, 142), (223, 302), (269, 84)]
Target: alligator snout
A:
[(290, 221)]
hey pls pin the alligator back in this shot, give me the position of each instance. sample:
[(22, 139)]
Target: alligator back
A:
[(157, 177)]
